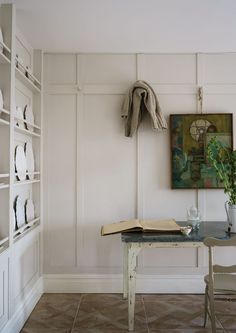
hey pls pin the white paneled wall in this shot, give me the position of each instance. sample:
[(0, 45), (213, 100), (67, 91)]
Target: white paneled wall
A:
[(60, 204), (95, 175)]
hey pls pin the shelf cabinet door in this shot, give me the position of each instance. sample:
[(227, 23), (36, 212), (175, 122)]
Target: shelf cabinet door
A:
[(3, 290)]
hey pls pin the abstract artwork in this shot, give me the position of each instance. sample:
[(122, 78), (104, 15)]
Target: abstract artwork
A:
[(190, 135)]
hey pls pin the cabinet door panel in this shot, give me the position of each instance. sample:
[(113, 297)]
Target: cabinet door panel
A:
[(25, 267), (3, 290)]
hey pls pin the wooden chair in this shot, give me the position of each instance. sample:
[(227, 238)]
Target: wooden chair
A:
[(220, 279)]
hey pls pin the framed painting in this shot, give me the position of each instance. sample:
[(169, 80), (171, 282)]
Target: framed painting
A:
[(190, 135)]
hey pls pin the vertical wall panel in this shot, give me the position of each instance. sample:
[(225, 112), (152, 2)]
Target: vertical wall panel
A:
[(110, 173), (60, 186)]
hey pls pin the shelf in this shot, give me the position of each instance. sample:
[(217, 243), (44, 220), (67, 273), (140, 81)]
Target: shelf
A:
[(26, 228), (4, 122), (27, 82), (4, 175), (29, 173), (5, 47), (2, 186), (26, 182), (4, 59), (4, 240), (4, 244), (27, 123), (5, 111), (25, 71), (25, 131)]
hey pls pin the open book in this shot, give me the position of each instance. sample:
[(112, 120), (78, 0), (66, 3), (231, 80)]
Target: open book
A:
[(141, 225)]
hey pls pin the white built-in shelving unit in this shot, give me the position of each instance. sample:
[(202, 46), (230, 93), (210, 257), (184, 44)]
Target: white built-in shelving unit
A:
[(6, 85), (20, 83), (28, 91)]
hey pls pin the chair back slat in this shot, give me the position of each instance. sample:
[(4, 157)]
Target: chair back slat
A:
[(211, 242), (224, 269)]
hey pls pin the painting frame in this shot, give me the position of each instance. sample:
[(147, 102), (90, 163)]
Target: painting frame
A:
[(189, 135)]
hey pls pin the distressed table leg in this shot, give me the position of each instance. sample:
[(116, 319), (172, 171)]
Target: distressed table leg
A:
[(125, 271), (132, 263)]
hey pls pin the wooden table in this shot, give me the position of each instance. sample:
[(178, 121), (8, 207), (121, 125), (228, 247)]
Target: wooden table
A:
[(135, 241)]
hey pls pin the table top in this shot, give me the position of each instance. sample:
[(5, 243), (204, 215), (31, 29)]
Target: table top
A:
[(206, 229)]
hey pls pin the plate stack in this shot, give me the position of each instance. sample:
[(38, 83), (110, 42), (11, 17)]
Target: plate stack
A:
[(24, 162), (23, 211)]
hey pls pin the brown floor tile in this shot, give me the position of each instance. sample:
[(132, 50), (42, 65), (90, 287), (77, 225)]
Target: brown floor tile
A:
[(108, 312), (57, 314), (185, 330), (225, 312), (50, 330), (174, 315), (58, 298), (173, 298), (107, 297), (103, 330), (37, 330)]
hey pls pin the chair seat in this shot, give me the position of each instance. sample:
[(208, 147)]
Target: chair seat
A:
[(224, 282)]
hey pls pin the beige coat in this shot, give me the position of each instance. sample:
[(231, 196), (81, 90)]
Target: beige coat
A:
[(141, 98)]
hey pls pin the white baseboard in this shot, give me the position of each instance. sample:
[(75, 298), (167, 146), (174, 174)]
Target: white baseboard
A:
[(16, 322), (93, 283)]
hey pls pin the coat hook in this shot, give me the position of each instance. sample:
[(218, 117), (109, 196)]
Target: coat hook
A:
[(200, 98)]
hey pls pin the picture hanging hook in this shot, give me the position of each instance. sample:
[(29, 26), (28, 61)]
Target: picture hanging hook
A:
[(200, 98)]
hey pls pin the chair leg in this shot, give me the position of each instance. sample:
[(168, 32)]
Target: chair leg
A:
[(212, 309), (206, 306)]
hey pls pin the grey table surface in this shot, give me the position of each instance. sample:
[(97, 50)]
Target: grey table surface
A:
[(217, 229)]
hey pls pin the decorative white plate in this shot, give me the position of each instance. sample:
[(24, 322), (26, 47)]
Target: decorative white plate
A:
[(20, 162), (1, 100), (29, 210), (29, 117), (20, 211), (14, 218), (19, 114), (29, 154), (1, 41)]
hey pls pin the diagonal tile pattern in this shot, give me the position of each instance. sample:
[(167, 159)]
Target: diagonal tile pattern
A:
[(107, 313)]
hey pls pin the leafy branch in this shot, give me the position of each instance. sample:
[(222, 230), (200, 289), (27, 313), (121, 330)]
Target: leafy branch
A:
[(224, 162)]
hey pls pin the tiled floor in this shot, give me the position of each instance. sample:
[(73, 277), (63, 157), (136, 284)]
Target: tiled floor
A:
[(107, 313)]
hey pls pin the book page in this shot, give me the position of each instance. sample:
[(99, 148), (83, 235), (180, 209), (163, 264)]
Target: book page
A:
[(162, 225), (120, 226)]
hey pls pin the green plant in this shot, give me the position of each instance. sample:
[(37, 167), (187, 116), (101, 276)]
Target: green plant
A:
[(224, 162)]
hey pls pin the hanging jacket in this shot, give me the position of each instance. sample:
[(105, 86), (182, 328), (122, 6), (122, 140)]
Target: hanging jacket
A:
[(141, 98)]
